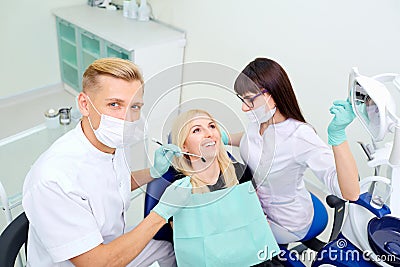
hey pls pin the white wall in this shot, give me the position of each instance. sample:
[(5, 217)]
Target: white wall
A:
[(28, 49), (316, 41)]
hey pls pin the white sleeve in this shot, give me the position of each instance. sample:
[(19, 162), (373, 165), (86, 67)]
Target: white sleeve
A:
[(62, 220), (312, 152)]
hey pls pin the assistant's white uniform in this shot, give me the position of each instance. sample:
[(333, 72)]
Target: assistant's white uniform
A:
[(76, 198), (278, 160)]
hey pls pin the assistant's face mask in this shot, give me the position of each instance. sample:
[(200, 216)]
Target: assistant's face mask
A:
[(260, 115), (111, 130)]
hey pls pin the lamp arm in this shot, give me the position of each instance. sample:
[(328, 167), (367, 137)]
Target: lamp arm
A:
[(385, 77), (389, 77), (396, 82), (394, 158)]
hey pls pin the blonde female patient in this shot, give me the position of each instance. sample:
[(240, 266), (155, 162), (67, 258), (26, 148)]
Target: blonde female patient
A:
[(196, 132), (224, 224)]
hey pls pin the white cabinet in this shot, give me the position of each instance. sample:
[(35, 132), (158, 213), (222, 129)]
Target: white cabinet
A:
[(87, 33)]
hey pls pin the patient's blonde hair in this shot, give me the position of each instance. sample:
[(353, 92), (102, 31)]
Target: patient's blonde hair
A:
[(179, 133)]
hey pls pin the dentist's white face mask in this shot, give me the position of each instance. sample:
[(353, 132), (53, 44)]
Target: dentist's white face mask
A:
[(111, 130), (260, 115)]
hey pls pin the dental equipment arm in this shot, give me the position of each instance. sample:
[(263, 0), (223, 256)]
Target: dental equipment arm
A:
[(375, 107), (394, 158)]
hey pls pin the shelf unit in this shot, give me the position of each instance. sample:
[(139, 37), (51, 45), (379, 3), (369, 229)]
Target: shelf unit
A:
[(87, 33)]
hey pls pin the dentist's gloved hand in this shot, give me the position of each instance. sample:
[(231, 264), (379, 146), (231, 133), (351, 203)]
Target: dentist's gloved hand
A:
[(224, 136), (344, 115), (163, 158), (175, 197)]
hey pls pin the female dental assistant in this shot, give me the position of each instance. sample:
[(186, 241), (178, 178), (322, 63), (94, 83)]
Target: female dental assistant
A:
[(279, 146)]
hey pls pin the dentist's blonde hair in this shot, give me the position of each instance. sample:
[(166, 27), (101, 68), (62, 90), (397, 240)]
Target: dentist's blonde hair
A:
[(114, 67), (179, 133)]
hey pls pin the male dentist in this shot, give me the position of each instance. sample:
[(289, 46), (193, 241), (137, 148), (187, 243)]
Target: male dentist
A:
[(75, 197)]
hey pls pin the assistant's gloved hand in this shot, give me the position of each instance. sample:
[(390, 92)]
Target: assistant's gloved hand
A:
[(224, 136), (344, 115), (163, 158), (175, 197)]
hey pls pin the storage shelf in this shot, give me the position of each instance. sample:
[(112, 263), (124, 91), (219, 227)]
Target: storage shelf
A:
[(70, 64), (86, 34), (68, 52), (90, 53), (67, 31), (67, 41), (70, 74), (113, 51), (90, 43)]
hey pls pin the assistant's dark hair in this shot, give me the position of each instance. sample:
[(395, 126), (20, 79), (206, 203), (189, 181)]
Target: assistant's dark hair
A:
[(264, 73)]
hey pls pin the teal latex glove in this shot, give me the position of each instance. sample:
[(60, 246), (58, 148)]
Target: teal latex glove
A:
[(163, 158), (224, 136), (175, 197), (344, 115)]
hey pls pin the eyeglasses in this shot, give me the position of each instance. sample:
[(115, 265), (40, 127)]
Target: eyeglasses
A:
[(249, 101)]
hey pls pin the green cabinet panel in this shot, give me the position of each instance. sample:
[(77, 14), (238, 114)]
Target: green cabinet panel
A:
[(78, 49), (66, 31), (90, 43), (115, 51), (68, 52), (70, 75), (91, 49)]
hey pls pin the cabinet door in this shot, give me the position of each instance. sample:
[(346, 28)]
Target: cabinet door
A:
[(111, 50), (66, 33), (90, 48)]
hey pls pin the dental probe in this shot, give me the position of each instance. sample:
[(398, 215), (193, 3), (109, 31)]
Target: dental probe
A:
[(186, 153)]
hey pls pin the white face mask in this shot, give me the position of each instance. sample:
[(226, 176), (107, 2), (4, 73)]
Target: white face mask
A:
[(111, 130), (259, 115)]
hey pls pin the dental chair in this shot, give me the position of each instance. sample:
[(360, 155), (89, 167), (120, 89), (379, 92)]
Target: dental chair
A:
[(318, 225), (320, 220), (153, 193), (11, 240)]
